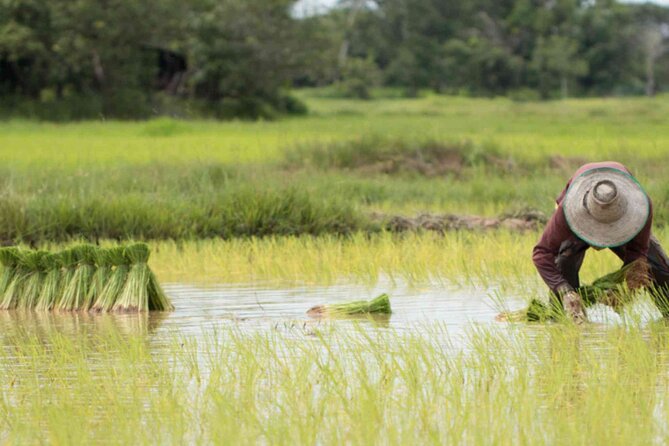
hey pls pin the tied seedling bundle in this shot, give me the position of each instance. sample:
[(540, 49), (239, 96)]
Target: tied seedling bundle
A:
[(614, 289), (81, 278), (141, 290), (378, 305)]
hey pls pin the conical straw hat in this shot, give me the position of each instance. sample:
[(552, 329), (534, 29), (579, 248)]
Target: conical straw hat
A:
[(606, 207)]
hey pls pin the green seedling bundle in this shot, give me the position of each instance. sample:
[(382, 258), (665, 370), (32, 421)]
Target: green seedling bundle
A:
[(378, 305), (614, 289), (81, 278)]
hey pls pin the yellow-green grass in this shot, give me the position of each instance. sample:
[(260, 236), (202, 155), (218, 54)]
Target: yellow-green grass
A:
[(583, 127), (495, 258), (167, 179), (337, 384)]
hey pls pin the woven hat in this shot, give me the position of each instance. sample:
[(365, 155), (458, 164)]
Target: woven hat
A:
[(606, 207)]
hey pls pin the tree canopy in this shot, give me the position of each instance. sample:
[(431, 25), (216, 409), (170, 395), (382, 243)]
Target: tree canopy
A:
[(240, 58)]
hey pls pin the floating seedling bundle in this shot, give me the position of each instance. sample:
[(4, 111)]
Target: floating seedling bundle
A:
[(81, 278), (378, 305)]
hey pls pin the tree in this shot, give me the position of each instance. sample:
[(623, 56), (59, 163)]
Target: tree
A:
[(556, 60), (241, 51)]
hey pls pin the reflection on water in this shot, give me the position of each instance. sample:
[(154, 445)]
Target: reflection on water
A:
[(78, 323), (261, 306), (254, 305)]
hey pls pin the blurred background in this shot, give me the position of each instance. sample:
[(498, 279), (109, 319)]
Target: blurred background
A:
[(129, 59)]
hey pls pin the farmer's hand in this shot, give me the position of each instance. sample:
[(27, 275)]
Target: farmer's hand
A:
[(573, 306)]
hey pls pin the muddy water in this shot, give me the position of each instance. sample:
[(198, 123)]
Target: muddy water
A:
[(200, 309)]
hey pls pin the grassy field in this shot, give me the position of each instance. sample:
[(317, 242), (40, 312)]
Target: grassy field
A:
[(328, 385), (306, 201), (170, 179)]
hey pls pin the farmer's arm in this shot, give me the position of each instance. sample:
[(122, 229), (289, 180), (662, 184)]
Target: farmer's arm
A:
[(546, 251)]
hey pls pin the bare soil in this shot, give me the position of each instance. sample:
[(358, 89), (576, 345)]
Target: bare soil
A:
[(526, 221)]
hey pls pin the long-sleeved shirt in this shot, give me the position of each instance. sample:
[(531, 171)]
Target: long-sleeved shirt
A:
[(557, 231)]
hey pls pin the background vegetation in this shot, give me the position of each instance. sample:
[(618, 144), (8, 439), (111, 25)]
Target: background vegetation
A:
[(348, 166), (63, 60)]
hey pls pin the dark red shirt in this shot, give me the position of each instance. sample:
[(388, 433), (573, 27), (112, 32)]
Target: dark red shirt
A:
[(557, 231)]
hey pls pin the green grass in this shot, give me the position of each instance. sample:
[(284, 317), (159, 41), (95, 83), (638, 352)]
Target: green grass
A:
[(333, 385), (493, 259), (291, 202), (167, 179)]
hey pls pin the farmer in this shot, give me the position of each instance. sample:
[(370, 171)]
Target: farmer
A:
[(602, 206)]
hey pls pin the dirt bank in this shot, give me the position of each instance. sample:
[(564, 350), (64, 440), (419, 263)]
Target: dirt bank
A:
[(525, 221)]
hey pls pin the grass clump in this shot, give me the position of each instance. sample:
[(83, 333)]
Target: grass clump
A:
[(389, 156), (378, 305)]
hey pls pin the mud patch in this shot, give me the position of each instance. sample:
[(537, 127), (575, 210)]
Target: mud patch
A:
[(526, 221)]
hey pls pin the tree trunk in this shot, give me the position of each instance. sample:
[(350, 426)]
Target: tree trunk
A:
[(356, 5), (650, 75), (98, 70), (564, 86)]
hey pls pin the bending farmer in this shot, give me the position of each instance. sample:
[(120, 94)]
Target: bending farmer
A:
[(602, 206)]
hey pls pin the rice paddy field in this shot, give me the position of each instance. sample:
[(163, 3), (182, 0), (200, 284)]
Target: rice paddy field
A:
[(252, 223)]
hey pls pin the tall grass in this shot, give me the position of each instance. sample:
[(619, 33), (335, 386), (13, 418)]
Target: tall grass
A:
[(177, 179), (334, 385), (499, 259)]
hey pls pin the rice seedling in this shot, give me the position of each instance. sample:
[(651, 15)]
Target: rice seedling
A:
[(114, 286), (51, 286), (11, 298), (141, 291), (378, 305), (8, 260), (615, 289), (32, 285), (69, 259), (102, 273), (332, 384), (76, 290)]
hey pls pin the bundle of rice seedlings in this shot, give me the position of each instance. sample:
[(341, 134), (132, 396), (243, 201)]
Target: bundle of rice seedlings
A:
[(114, 286), (378, 305), (51, 286), (69, 259), (158, 300), (8, 259), (76, 290), (14, 290), (102, 273), (613, 289), (35, 273), (618, 287), (537, 311), (135, 296), (141, 291)]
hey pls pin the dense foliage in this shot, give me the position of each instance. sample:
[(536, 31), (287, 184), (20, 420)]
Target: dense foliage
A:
[(236, 58)]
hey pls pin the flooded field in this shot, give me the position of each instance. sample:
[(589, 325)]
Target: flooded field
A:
[(252, 223), (244, 364)]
